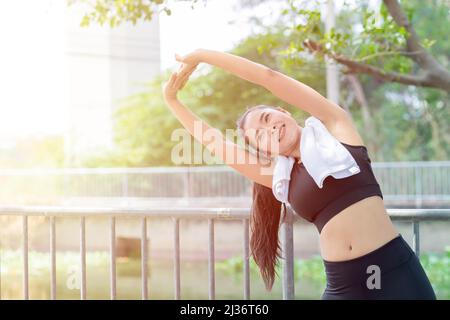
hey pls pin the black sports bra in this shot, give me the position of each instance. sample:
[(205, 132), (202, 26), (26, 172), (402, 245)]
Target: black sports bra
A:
[(319, 205)]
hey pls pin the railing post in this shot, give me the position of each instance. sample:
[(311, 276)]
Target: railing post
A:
[(52, 258), (0, 271), (176, 256), (416, 237), (287, 245), (211, 260), (144, 259), (246, 260), (83, 257), (25, 256), (112, 254)]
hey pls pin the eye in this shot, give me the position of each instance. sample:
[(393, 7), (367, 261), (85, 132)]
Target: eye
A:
[(266, 117)]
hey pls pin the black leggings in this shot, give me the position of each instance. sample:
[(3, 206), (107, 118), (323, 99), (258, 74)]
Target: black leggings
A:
[(392, 271)]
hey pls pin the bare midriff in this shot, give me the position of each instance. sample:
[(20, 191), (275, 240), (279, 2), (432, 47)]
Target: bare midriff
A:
[(357, 230)]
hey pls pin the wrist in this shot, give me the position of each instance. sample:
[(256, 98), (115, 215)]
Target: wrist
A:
[(170, 99), (201, 54)]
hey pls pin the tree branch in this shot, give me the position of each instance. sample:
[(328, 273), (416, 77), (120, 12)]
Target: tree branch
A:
[(432, 74), (436, 72), (358, 67)]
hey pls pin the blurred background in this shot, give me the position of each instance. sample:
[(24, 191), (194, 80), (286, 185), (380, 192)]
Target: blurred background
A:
[(83, 124)]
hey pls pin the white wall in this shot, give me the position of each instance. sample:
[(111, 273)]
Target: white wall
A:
[(102, 66)]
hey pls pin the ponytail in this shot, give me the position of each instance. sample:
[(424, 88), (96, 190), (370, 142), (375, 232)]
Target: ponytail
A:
[(264, 225)]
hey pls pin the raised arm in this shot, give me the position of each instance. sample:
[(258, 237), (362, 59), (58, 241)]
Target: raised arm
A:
[(238, 158), (286, 88)]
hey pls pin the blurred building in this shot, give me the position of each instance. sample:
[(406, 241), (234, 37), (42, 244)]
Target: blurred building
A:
[(103, 65)]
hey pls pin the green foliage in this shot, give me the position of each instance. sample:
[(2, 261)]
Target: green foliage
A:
[(143, 124), (311, 268), (437, 267), (143, 128), (34, 152), (116, 12), (432, 23), (235, 267), (409, 122), (380, 42)]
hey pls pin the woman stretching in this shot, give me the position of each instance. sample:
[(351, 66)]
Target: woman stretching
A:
[(364, 255)]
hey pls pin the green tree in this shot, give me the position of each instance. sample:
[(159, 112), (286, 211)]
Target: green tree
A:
[(398, 122), (34, 152), (143, 124), (388, 47)]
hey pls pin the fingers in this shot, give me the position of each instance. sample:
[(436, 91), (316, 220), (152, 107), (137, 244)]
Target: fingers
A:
[(172, 79), (169, 90), (171, 82), (183, 75), (186, 69), (176, 82), (178, 57), (181, 81), (179, 78)]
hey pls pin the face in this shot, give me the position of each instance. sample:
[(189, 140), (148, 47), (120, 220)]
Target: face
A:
[(272, 131)]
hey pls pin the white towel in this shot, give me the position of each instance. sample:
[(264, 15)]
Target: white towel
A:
[(281, 177), (321, 154)]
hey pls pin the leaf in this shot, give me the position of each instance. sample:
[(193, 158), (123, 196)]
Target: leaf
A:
[(85, 21)]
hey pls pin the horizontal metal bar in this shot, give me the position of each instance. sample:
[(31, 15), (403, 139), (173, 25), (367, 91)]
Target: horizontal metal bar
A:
[(419, 214), (77, 171), (193, 213), (216, 168), (410, 164), (182, 212)]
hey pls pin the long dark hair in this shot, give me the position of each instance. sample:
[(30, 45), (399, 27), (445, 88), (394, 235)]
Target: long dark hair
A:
[(265, 216)]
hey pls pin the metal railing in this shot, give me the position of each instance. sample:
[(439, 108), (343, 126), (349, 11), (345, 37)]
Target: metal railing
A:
[(416, 216), (412, 181)]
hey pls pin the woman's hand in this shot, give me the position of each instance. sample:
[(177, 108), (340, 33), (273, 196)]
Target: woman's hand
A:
[(177, 81), (193, 58)]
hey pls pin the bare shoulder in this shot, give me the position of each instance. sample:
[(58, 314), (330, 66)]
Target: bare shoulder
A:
[(344, 129)]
